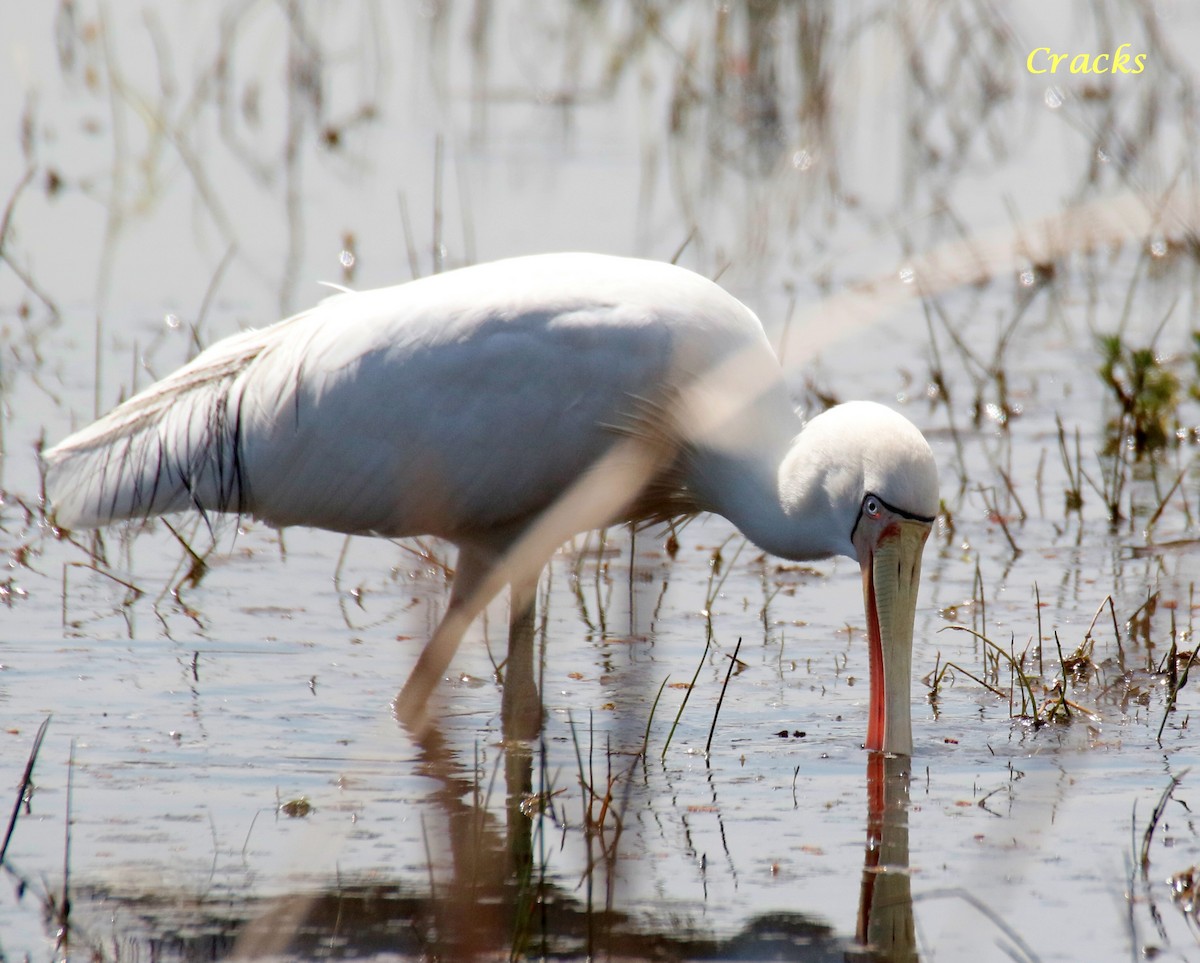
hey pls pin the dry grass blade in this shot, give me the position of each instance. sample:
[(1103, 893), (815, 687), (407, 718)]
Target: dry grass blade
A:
[(939, 674), (1018, 671)]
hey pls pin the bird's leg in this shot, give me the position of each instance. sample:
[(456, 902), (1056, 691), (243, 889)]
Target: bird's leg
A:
[(521, 705), (470, 573)]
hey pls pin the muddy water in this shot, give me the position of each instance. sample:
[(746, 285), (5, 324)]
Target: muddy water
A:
[(901, 202)]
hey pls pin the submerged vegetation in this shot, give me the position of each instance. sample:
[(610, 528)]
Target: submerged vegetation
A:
[(1044, 683)]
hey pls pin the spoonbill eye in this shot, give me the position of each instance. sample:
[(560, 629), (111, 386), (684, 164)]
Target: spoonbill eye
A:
[(871, 506)]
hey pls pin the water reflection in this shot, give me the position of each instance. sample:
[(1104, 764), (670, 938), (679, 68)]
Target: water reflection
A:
[(486, 891), (885, 909)]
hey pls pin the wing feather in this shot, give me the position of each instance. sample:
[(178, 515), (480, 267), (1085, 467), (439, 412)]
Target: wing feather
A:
[(175, 445)]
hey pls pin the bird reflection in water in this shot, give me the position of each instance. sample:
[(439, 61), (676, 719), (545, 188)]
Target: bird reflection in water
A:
[(489, 894), (886, 930)]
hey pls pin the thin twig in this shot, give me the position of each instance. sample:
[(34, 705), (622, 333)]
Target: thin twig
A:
[(1037, 598), (1019, 670), (24, 785), (64, 909), (998, 517), (210, 292), (983, 908), (691, 236), (686, 696), (5, 224), (1155, 816), (439, 249), (937, 682), (1176, 682), (1166, 498), (1116, 630), (1062, 662), (410, 244)]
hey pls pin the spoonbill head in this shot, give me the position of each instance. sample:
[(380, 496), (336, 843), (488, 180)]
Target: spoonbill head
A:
[(506, 407)]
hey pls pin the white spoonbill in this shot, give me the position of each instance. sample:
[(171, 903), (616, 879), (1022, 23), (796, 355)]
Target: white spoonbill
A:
[(506, 407)]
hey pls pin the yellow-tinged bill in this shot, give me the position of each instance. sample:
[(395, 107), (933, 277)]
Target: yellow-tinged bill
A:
[(891, 578)]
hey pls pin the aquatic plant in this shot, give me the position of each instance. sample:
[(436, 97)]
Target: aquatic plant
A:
[(1147, 393)]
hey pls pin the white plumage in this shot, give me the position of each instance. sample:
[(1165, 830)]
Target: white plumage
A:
[(465, 405)]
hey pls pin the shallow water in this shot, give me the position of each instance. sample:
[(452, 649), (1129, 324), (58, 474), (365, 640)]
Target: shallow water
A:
[(238, 783)]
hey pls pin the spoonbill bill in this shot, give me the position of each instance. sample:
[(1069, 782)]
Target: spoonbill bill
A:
[(506, 407)]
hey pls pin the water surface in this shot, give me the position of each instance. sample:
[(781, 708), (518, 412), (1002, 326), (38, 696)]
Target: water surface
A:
[(917, 219)]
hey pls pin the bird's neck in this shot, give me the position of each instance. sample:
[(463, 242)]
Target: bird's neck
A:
[(778, 496)]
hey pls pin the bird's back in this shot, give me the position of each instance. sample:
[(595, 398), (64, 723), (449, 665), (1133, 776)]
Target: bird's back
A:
[(455, 405)]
